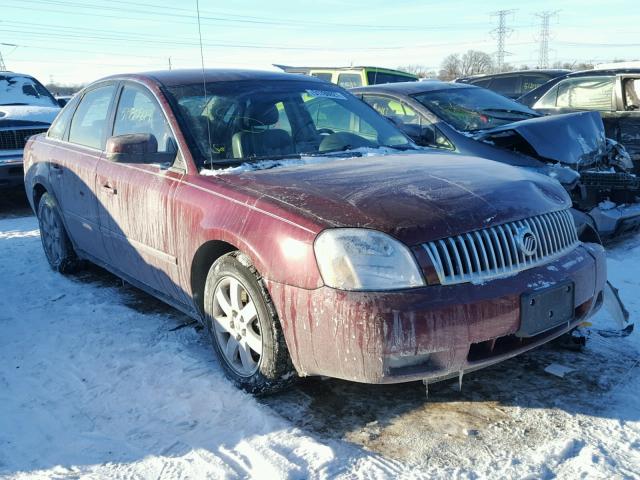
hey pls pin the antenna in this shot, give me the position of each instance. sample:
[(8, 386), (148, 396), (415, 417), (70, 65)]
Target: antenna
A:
[(204, 83), (543, 56), (501, 32)]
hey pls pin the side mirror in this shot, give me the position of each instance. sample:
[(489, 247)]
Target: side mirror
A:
[(136, 148), (61, 102)]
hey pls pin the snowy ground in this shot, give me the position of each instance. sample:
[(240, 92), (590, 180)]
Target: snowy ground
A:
[(99, 380)]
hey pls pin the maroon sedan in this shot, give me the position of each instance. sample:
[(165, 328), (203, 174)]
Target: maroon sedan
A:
[(305, 231)]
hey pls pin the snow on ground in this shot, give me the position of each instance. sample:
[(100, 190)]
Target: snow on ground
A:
[(99, 380)]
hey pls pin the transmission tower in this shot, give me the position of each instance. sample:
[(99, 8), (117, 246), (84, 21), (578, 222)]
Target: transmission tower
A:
[(501, 32), (543, 55)]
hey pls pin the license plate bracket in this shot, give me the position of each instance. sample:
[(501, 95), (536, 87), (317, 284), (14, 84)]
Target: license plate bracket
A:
[(542, 310)]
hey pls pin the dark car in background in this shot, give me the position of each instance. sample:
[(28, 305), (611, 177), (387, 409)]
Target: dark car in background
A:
[(513, 84), (305, 231), (615, 93), (26, 108), (571, 148)]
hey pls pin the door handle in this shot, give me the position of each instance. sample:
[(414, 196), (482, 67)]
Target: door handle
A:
[(109, 189)]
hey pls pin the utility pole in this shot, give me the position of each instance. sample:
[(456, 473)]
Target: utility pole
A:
[(501, 32), (543, 55)]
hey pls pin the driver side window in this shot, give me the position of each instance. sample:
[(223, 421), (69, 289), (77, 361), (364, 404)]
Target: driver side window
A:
[(138, 112)]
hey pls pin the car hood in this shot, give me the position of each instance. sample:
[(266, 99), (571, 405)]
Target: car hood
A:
[(27, 114), (574, 139), (416, 198)]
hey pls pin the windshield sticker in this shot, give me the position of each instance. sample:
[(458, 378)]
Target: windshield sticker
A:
[(326, 94)]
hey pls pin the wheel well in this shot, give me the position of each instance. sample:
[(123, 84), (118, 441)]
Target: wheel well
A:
[(202, 261), (590, 235), (38, 191)]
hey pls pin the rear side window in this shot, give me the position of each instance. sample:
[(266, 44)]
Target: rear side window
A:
[(591, 93), (322, 76), (349, 80), (531, 82), (482, 82), (59, 125), (378, 78), (138, 112), (505, 85), (90, 120)]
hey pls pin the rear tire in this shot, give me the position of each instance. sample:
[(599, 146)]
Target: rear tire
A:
[(244, 327), (55, 241)]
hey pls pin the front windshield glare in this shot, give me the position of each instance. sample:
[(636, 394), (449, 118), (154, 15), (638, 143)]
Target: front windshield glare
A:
[(265, 119), (471, 109), (22, 90)]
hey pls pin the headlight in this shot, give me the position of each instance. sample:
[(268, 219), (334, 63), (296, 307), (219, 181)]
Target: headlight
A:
[(362, 259)]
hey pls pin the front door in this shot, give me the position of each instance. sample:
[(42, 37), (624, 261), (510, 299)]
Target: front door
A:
[(136, 200)]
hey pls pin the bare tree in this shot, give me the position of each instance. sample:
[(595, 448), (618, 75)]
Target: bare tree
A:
[(472, 62), (418, 70), (450, 68), (475, 62)]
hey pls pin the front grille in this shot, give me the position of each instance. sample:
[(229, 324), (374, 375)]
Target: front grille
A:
[(610, 180), (498, 251), (16, 139)]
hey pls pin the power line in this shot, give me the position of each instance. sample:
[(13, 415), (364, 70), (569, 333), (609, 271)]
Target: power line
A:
[(501, 32), (543, 55)]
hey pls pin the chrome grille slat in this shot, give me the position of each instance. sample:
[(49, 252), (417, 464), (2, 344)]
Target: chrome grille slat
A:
[(495, 252)]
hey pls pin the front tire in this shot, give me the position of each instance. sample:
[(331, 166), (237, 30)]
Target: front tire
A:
[(55, 241), (244, 327)]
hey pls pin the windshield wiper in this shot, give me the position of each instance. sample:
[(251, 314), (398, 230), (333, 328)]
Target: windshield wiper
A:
[(12, 104), (507, 110)]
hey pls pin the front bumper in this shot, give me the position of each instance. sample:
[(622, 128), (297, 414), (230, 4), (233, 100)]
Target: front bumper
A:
[(617, 220), (430, 332), (11, 170)]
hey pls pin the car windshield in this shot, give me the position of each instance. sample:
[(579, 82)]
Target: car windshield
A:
[(252, 120), (471, 109), (23, 90)]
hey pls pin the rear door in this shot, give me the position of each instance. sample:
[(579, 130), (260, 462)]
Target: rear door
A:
[(74, 160), (136, 200)]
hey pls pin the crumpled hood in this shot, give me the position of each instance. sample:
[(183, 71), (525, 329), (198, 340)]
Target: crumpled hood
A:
[(415, 198), (20, 114), (575, 139)]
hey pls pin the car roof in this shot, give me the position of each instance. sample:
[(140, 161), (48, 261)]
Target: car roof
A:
[(411, 88), (547, 71), (597, 73), (170, 78)]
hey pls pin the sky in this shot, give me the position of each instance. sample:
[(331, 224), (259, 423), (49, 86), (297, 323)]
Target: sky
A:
[(78, 41)]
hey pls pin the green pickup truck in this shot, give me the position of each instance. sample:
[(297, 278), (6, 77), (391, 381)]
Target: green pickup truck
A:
[(351, 77)]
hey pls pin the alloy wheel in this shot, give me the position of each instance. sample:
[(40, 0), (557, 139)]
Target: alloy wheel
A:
[(236, 326)]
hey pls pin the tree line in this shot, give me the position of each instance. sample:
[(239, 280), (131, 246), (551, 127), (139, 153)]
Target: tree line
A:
[(476, 62)]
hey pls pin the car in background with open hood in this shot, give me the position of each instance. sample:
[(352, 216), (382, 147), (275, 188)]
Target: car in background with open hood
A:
[(571, 148), (26, 108)]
